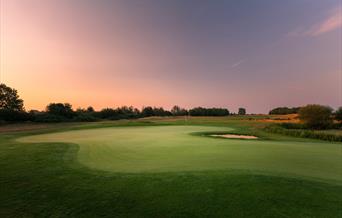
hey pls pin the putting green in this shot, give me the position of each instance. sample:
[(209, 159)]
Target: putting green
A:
[(174, 148)]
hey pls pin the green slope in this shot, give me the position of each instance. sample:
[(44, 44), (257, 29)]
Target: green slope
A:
[(175, 148)]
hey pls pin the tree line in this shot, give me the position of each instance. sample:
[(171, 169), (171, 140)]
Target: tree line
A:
[(284, 110), (12, 110), (313, 116)]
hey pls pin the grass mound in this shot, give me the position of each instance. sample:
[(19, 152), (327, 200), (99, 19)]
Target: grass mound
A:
[(176, 148)]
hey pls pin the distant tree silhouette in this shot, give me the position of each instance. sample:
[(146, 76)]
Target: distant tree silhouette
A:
[(242, 111), (338, 114), (159, 111), (200, 111), (123, 112), (90, 109), (147, 111), (60, 109), (11, 106), (284, 110), (9, 99), (178, 111)]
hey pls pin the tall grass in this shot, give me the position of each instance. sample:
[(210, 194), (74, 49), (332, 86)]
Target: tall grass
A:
[(298, 130)]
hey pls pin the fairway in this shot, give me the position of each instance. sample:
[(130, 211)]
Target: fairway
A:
[(167, 168), (154, 149), (170, 109)]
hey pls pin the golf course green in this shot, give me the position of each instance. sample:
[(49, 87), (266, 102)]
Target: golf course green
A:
[(177, 148), (166, 167)]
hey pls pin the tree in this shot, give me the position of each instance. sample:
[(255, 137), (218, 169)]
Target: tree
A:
[(175, 110), (316, 116), (242, 111), (159, 111), (338, 114), (107, 113), (284, 110), (147, 112), (60, 109), (178, 111), (9, 99), (90, 109), (200, 111)]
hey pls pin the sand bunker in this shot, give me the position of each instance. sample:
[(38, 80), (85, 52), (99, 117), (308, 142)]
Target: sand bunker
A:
[(233, 136)]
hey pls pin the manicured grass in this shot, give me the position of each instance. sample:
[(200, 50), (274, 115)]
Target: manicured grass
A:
[(174, 148), (164, 171)]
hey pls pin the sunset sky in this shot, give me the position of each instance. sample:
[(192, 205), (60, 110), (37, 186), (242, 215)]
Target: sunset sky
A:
[(220, 53)]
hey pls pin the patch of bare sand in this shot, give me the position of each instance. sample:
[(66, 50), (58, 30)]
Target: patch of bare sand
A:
[(233, 136)]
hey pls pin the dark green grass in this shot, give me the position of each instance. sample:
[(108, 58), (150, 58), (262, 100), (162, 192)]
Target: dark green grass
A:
[(44, 180)]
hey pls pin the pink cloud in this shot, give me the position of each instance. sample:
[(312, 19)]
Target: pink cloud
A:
[(331, 23)]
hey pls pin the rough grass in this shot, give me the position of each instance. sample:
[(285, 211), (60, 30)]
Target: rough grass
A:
[(332, 131), (46, 180)]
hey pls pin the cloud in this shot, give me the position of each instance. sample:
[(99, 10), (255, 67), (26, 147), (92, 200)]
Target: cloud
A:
[(238, 63), (331, 23)]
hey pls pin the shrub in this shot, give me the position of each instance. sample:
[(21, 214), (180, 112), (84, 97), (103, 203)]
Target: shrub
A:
[(316, 116), (85, 117), (284, 110), (338, 114), (14, 116), (292, 125), (304, 133), (48, 118)]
